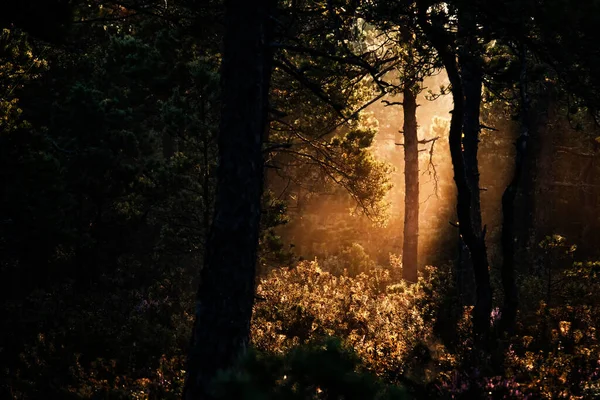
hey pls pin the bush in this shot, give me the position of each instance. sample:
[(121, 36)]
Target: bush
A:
[(321, 370), (388, 324), (351, 261)]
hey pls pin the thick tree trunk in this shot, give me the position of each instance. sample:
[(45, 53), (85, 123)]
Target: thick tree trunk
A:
[(226, 291), (411, 178), (509, 285)]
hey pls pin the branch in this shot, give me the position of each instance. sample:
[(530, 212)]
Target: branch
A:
[(288, 67), (354, 114), (571, 150), (489, 128), (425, 141), (274, 147), (356, 60), (431, 165), (573, 185), (392, 103), (57, 147)]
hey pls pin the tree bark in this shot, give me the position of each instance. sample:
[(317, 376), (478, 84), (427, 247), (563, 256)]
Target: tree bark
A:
[(465, 101), (226, 290), (509, 285), (411, 180), (472, 79)]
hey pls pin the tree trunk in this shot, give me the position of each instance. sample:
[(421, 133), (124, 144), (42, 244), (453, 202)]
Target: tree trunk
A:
[(226, 291), (509, 285), (411, 179), (526, 208), (471, 73), (466, 106)]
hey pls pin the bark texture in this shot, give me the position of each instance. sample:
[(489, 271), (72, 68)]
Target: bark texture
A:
[(465, 113), (472, 80), (226, 290), (411, 178), (509, 285)]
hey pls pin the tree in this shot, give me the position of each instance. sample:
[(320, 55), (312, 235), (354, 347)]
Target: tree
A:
[(93, 215), (471, 72), (465, 78), (410, 246), (509, 309), (226, 290), (417, 63), (325, 76)]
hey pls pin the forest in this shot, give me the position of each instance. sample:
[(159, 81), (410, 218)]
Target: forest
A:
[(299, 199)]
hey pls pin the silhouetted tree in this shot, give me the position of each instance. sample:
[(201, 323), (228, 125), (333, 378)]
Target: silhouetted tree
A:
[(465, 78), (226, 290)]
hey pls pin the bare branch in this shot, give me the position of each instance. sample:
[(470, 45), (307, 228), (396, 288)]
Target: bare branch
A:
[(574, 151), (431, 169), (392, 103), (489, 128)]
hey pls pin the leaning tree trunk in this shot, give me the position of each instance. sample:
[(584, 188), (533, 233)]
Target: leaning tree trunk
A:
[(465, 101), (226, 291), (509, 285), (411, 178)]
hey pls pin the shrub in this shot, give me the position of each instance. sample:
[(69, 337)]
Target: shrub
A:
[(320, 370), (388, 324)]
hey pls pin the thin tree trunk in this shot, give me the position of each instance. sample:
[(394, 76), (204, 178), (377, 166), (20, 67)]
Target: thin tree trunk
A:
[(411, 179), (526, 208), (471, 72), (226, 291), (465, 100), (509, 285)]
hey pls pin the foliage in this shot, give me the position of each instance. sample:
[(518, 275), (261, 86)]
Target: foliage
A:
[(555, 351), (318, 370), (388, 323), (397, 330), (273, 251), (107, 163), (320, 133), (350, 261), (18, 66), (107, 181)]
